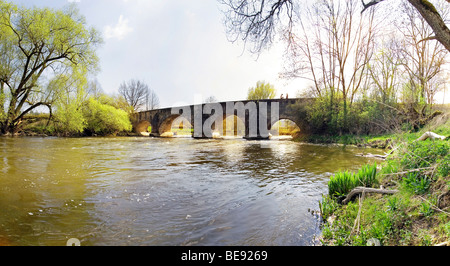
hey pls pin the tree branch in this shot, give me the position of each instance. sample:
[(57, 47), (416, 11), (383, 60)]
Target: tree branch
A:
[(371, 3), (360, 190), (30, 109)]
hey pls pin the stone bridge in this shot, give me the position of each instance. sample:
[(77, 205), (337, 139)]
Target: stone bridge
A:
[(258, 117)]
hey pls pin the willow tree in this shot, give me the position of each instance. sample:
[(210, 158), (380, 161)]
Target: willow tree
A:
[(37, 44), (262, 91)]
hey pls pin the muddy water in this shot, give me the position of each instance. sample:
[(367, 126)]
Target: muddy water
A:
[(178, 191)]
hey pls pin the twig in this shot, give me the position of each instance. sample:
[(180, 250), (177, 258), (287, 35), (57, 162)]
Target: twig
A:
[(357, 222), (409, 171), (434, 207)]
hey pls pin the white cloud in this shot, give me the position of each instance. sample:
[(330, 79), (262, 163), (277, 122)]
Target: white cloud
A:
[(119, 31)]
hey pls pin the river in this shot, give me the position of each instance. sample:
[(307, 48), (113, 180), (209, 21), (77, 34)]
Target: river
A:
[(164, 191)]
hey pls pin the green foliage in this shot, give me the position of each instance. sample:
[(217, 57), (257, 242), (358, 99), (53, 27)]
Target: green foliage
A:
[(447, 229), (105, 119), (392, 219), (262, 91), (393, 204), (367, 175), (390, 166), (416, 183), (323, 114), (117, 101), (343, 182), (2, 103), (426, 209), (70, 119), (444, 166), (34, 41), (421, 154), (327, 206), (330, 114), (77, 116)]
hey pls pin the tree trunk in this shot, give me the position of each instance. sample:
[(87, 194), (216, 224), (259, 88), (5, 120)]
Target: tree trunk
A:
[(432, 17), (431, 135)]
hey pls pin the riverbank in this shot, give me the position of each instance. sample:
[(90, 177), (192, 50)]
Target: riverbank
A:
[(418, 213)]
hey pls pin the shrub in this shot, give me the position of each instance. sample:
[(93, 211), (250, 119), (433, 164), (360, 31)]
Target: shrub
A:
[(90, 117), (69, 119), (104, 119)]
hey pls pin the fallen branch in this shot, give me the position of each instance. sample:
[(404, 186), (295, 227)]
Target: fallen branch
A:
[(360, 190), (443, 244), (430, 135), (370, 155)]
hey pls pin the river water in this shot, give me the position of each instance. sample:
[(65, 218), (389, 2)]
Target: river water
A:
[(172, 191)]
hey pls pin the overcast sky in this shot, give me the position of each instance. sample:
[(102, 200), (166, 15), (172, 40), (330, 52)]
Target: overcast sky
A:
[(178, 47)]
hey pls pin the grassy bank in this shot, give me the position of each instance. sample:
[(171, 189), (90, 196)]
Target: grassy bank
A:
[(418, 214)]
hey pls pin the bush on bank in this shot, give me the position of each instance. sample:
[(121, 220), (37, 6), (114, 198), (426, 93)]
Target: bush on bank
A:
[(83, 118), (103, 119)]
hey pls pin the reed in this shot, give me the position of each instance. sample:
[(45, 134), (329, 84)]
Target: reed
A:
[(341, 183), (367, 175)]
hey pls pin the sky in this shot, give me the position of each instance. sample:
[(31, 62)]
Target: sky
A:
[(178, 47)]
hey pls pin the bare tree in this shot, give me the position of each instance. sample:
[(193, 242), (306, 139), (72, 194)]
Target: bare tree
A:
[(385, 70), (332, 48), (135, 93), (257, 21), (211, 99), (94, 88), (423, 58), (430, 14), (151, 100)]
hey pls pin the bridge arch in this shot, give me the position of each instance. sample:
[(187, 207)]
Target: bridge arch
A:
[(143, 127), (284, 127), (233, 126), (181, 127), (174, 124)]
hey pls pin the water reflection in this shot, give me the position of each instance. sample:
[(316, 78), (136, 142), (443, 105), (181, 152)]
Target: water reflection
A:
[(144, 191)]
